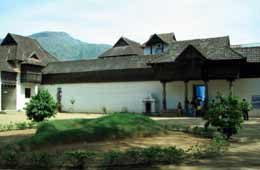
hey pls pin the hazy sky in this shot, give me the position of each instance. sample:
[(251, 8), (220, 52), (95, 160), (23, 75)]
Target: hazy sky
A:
[(104, 21)]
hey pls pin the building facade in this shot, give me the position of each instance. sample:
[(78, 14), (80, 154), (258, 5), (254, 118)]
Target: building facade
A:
[(153, 77)]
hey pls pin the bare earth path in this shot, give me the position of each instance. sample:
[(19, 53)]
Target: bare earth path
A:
[(242, 155)]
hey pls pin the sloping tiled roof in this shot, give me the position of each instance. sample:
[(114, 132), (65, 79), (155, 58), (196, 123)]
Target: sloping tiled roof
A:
[(131, 48), (101, 64), (167, 37), (211, 48), (23, 50), (5, 53), (252, 54)]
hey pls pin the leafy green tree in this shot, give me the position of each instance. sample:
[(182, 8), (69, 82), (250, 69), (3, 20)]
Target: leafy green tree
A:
[(41, 106), (226, 114)]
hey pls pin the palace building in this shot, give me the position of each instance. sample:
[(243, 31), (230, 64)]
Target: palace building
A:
[(154, 76)]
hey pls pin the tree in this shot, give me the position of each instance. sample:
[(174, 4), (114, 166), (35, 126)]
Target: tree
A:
[(41, 106), (225, 113)]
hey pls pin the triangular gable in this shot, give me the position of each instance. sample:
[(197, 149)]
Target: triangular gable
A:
[(190, 53), (121, 42), (154, 39), (34, 57), (9, 40)]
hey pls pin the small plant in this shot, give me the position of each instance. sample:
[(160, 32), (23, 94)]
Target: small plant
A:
[(104, 110), (72, 102), (41, 106), (124, 110), (9, 156), (79, 158), (39, 159), (217, 147), (17, 126), (225, 113)]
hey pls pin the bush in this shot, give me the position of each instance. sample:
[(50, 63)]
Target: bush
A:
[(146, 156), (41, 106), (217, 147), (79, 159), (17, 126), (225, 113)]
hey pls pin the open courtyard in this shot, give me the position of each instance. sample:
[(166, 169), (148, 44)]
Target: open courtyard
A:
[(243, 153)]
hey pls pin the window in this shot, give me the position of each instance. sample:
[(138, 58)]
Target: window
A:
[(27, 93), (256, 101)]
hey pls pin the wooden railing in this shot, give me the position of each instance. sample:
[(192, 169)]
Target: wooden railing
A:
[(31, 77)]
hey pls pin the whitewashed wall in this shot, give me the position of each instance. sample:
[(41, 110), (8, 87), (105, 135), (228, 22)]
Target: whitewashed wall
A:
[(20, 93), (0, 92), (91, 97), (246, 88)]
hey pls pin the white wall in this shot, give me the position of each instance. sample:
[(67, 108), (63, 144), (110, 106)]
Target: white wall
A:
[(91, 97), (175, 93), (246, 88), (0, 92), (20, 92)]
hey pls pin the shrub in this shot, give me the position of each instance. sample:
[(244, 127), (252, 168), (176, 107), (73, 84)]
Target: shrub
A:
[(39, 159), (225, 113), (41, 106), (146, 156), (8, 156), (17, 126), (217, 147), (79, 159)]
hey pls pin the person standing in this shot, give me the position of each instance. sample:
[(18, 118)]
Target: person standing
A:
[(245, 109)]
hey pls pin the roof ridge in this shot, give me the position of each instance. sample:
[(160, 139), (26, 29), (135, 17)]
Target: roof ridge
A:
[(243, 47), (200, 39), (234, 51)]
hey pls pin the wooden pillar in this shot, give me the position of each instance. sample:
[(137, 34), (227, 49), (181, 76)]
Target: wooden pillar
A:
[(207, 90), (185, 94), (231, 86), (206, 95), (164, 102)]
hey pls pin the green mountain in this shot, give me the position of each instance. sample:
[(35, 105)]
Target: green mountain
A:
[(65, 47)]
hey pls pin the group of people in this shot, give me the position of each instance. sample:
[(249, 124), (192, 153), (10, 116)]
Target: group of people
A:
[(195, 108), (192, 109)]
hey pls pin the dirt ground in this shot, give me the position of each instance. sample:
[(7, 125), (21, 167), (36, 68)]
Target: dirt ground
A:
[(21, 117), (178, 139), (244, 154)]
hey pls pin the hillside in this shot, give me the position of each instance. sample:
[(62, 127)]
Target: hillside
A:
[(65, 47)]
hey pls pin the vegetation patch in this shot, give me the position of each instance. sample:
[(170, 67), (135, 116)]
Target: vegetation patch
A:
[(114, 126), (17, 126), (145, 156)]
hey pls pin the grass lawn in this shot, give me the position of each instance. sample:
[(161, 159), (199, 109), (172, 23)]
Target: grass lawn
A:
[(110, 127)]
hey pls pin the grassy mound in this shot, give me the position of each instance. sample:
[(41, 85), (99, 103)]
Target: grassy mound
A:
[(109, 127)]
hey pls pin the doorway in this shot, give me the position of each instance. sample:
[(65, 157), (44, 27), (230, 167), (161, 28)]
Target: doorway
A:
[(8, 97), (199, 92), (199, 98)]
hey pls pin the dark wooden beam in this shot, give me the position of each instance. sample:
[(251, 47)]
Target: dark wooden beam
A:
[(164, 102), (206, 95), (231, 86), (186, 94)]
